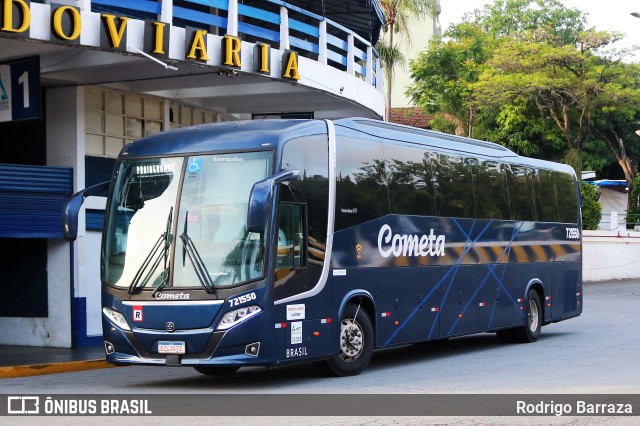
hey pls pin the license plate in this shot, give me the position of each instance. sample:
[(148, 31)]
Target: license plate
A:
[(171, 347)]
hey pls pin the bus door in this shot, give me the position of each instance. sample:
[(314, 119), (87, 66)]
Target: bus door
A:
[(303, 326)]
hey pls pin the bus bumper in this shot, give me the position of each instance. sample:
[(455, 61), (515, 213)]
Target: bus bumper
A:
[(246, 344)]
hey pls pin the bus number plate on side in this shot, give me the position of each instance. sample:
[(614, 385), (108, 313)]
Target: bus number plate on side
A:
[(171, 347)]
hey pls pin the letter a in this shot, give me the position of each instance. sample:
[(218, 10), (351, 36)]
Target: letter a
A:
[(199, 44), (291, 71)]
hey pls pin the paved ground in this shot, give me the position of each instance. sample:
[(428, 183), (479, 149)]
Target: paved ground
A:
[(18, 361), (23, 361)]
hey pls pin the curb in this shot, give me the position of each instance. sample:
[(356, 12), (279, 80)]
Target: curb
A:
[(53, 368)]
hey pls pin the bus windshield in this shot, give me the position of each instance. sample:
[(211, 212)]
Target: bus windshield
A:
[(205, 229)]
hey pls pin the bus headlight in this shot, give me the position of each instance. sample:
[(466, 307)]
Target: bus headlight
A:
[(237, 316), (117, 318)]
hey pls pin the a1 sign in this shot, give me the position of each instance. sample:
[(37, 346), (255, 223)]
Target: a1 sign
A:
[(20, 90)]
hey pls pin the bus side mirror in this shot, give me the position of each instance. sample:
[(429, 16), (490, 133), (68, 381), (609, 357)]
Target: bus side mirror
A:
[(71, 209), (261, 198)]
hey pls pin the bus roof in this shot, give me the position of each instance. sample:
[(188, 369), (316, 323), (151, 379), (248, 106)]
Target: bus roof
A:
[(231, 135), (255, 134), (445, 142), (399, 132)]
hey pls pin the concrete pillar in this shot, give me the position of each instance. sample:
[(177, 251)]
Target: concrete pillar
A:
[(350, 55), (166, 11), (369, 66), (232, 18), (65, 148), (284, 28), (322, 43)]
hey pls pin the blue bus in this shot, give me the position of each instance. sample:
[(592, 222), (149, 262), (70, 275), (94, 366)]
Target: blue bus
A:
[(264, 243)]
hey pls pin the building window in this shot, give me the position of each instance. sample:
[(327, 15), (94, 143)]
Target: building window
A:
[(114, 119), (184, 115)]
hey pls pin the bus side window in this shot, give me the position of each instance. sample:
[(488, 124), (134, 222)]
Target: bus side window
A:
[(291, 248)]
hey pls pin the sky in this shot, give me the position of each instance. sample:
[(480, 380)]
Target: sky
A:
[(612, 15)]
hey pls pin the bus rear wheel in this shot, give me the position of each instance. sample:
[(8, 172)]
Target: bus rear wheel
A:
[(217, 371), (530, 332), (356, 343)]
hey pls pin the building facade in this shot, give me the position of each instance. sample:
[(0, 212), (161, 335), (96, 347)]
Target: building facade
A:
[(420, 33), (81, 79)]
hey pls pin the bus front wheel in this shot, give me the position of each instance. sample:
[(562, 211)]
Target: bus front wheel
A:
[(356, 343)]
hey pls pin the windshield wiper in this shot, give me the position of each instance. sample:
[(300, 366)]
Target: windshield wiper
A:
[(163, 243), (163, 283), (189, 249)]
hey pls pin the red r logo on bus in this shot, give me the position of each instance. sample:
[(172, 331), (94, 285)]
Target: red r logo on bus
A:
[(137, 313)]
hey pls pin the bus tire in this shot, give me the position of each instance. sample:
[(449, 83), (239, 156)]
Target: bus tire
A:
[(356, 343), (530, 332), (216, 371)]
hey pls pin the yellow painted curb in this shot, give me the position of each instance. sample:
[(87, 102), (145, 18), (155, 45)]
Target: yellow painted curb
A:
[(54, 368)]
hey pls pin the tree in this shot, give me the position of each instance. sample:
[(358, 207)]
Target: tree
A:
[(544, 86), (633, 210), (617, 120), (397, 15), (512, 18), (443, 75), (566, 85), (591, 209), (444, 72)]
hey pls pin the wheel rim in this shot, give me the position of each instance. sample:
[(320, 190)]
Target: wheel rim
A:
[(532, 316), (351, 340)]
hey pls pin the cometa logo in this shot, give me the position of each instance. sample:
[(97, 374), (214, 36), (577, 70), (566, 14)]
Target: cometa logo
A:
[(409, 245), (172, 296)]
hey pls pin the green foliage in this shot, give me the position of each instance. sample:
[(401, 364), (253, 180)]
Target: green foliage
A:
[(633, 210), (574, 159), (528, 75), (596, 156), (391, 57), (591, 208), (520, 129), (550, 19), (443, 74)]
